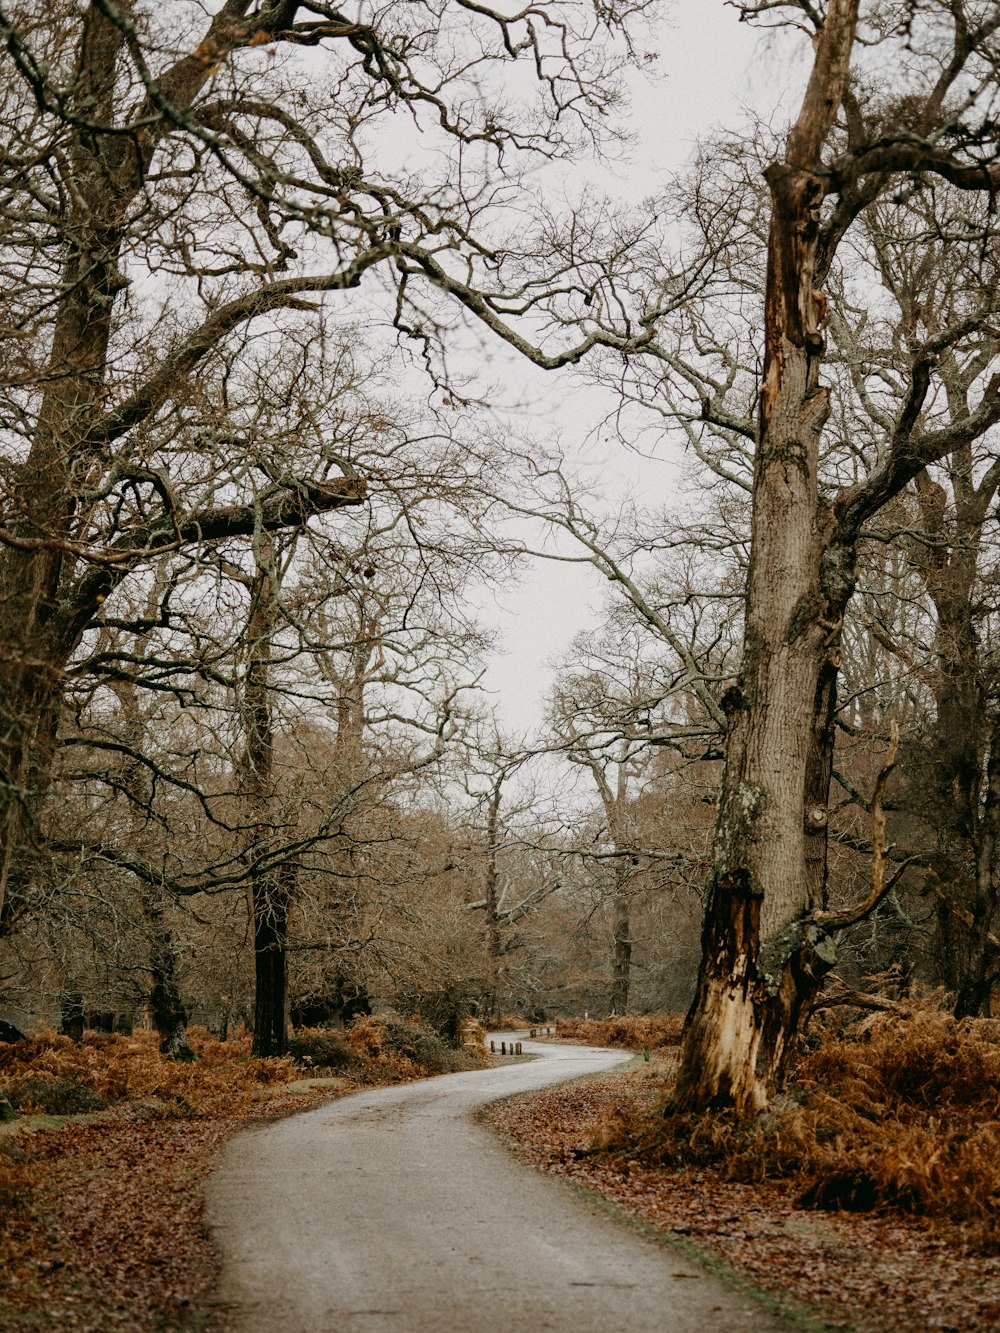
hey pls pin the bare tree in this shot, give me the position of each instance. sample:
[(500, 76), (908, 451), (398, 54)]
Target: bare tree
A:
[(758, 372), (272, 726), (766, 940), (593, 711), (178, 188)]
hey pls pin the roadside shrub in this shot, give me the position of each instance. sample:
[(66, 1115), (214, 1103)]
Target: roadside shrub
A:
[(53, 1096), (445, 1011), (631, 1032), (321, 1048), (900, 1112), (382, 1036)]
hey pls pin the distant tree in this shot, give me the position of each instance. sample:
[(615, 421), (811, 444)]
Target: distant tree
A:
[(600, 712), (513, 868), (270, 741)]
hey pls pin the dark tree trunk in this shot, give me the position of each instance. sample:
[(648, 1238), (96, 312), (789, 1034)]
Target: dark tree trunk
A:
[(72, 1017), (169, 1016), (973, 997), (963, 749), (166, 1007), (621, 954), (270, 880), (270, 1023), (979, 955)]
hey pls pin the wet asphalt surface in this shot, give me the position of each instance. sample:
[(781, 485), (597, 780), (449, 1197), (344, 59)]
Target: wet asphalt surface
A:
[(394, 1209)]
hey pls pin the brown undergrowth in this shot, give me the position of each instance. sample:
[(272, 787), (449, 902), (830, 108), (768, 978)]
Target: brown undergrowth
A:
[(631, 1032), (105, 1146), (896, 1113), (53, 1075)]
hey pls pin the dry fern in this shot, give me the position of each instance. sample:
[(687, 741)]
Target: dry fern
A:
[(898, 1113)]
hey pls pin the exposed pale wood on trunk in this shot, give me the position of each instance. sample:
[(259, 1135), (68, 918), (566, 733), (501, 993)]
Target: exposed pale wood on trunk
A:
[(770, 847)]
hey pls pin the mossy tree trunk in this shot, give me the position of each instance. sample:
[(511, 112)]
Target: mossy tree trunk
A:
[(769, 860)]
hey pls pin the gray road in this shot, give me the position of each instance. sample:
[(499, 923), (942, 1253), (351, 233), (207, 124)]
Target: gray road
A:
[(394, 1210)]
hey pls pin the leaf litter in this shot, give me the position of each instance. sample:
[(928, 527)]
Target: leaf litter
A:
[(924, 1258), (102, 1222)]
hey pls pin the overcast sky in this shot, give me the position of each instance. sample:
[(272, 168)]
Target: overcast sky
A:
[(710, 67)]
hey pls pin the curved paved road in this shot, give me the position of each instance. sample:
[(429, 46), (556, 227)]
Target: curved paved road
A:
[(393, 1209)]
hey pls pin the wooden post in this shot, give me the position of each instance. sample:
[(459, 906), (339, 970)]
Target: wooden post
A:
[(493, 1048)]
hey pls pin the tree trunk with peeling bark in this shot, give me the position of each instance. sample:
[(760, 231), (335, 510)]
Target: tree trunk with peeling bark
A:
[(767, 938), (760, 965)]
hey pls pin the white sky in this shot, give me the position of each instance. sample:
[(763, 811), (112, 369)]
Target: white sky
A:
[(710, 67)]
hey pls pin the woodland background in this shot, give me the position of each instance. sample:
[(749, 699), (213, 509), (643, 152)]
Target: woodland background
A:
[(254, 260)]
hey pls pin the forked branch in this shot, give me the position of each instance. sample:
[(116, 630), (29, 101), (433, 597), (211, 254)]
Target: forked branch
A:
[(880, 886)]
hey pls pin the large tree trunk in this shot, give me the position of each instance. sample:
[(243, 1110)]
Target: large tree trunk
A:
[(32, 572), (759, 964)]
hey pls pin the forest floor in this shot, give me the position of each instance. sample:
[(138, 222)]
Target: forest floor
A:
[(887, 1268), (111, 1234), (101, 1213)]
